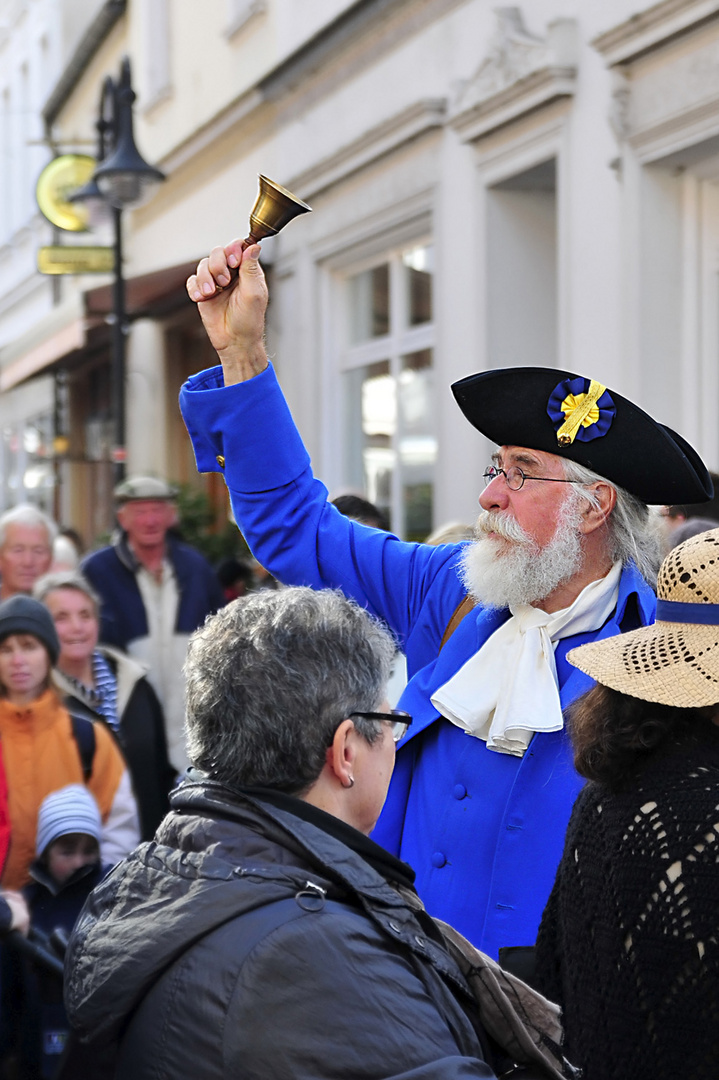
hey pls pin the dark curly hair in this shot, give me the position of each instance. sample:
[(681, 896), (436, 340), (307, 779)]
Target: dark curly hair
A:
[(612, 733)]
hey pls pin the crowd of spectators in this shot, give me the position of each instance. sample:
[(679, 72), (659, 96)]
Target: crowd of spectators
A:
[(92, 725), (91, 698)]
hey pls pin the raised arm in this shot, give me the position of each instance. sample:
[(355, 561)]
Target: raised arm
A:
[(233, 310), (239, 423)]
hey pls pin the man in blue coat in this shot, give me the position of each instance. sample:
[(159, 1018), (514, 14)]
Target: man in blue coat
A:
[(565, 547), (154, 592)]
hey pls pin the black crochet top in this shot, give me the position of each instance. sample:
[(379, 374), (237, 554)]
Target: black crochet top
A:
[(629, 940)]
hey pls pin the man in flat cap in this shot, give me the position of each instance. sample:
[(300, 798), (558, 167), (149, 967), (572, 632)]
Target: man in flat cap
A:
[(155, 591), (565, 553)]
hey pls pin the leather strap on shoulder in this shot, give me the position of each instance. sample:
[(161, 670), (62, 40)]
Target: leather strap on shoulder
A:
[(463, 608)]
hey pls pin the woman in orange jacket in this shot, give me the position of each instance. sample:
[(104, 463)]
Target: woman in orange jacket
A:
[(41, 747)]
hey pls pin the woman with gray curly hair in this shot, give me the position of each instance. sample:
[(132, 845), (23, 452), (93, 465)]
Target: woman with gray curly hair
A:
[(266, 683), (263, 933)]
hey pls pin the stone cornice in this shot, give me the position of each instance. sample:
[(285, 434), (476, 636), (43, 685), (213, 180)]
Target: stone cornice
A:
[(406, 125), (368, 29), (676, 133), (245, 13), (653, 28), (520, 74), (248, 106), (391, 225)]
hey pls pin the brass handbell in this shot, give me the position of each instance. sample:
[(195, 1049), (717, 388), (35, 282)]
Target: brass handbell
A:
[(274, 207)]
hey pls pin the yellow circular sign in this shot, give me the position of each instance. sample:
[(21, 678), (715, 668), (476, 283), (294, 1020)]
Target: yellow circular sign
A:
[(58, 180)]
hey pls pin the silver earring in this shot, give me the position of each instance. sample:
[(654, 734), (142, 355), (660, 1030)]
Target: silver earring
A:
[(352, 781)]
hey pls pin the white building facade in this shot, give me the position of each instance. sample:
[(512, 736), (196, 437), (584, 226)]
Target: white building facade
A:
[(34, 38), (522, 185)]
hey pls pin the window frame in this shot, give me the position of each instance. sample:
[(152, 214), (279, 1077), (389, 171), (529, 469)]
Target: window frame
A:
[(401, 341)]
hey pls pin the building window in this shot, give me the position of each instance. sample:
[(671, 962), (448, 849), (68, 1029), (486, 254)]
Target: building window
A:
[(27, 463), (156, 33), (522, 268), (6, 157), (388, 386), (239, 13)]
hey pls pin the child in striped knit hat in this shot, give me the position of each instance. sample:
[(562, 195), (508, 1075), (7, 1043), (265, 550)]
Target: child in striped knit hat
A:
[(68, 861), (66, 870)]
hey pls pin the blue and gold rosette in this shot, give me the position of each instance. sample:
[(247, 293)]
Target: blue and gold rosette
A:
[(580, 409)]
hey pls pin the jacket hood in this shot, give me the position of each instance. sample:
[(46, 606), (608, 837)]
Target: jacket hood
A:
[(216, 856)]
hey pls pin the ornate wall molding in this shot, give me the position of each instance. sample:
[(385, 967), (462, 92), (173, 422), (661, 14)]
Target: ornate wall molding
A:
[(406, 125), (520, 73), (670, 103)]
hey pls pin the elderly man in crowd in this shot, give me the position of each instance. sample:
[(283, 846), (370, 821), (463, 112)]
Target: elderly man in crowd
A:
[(26, 539), (565, 549), (155, 590)]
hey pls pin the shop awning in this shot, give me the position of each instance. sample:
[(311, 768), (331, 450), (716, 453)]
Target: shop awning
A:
[(70, 331), (146, 296), (61, 333)]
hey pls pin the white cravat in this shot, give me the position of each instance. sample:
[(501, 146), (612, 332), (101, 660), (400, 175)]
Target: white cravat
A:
[(509, 689)]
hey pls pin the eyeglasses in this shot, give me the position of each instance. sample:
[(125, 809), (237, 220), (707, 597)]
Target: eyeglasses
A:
[(514, 477), (398, 720)]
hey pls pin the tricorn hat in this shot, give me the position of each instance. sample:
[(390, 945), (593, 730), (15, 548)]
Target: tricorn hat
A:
[(675, 661), (583, 421)]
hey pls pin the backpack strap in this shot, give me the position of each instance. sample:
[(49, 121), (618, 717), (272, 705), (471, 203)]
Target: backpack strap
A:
[(463, 608), (83, 731)]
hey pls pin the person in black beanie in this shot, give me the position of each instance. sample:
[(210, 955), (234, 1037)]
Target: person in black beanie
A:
[(628, 943), (42, 749)]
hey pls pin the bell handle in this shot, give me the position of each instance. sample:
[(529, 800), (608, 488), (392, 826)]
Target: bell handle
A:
[(288, 203)]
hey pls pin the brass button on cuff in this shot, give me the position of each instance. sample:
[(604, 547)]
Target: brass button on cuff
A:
[(220, 461)]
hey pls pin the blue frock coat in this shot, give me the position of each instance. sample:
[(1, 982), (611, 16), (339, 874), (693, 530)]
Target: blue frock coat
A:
[(484, 831)]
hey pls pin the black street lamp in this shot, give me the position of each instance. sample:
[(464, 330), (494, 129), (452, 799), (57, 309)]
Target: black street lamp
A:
[(121, 181)]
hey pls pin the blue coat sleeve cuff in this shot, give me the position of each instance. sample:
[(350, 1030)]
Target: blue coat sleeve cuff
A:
[(244, 430)]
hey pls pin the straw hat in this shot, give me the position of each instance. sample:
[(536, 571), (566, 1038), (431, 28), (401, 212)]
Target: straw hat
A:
[(675, 661)]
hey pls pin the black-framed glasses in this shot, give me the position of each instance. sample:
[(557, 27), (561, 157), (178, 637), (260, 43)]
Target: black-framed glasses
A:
[(514, 477), (396, 718)]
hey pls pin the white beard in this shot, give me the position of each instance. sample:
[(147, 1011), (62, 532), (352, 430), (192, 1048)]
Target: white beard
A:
[(515, 570)]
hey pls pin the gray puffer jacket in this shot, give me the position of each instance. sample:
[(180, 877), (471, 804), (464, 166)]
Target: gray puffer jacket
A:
[(246, 941)]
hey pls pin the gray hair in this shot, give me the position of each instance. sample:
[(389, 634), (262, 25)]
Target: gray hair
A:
[(635, 533), (27, 514), (65, 579), (270, 678)]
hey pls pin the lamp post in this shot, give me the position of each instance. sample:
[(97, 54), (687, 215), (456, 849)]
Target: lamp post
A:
[(122, 180)]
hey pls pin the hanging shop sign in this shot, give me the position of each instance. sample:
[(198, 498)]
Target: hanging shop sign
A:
[(64, 259), (57, 181)]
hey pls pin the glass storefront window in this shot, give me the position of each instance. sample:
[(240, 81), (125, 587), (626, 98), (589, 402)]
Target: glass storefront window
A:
[(417, 443), (389, 434), (370, 424), (419, 266), (369, 304), (27, 460)]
